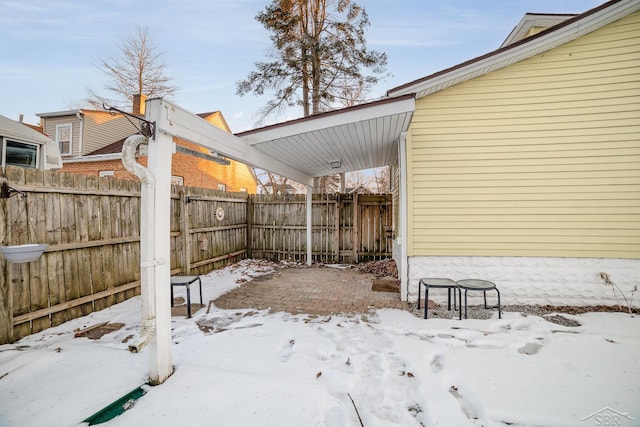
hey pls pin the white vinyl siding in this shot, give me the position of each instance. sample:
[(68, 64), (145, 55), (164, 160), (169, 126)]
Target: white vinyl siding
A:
[(537, 159)]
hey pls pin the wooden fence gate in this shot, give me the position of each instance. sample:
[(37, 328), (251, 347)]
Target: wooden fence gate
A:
[(346, 228)]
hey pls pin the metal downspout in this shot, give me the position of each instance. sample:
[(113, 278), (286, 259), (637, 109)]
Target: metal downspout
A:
[(404, 218), (147, 264)]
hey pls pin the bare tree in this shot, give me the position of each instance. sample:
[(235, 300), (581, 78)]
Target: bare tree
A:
[(138, 69), (270, 183), (383, 179), (359, 179)]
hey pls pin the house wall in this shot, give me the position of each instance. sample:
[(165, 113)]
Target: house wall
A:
[(49, 129), (94, 168), (207, 174), (539, 159), (101, 129)]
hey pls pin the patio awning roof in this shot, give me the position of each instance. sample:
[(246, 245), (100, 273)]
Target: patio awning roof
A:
[(350, 139)]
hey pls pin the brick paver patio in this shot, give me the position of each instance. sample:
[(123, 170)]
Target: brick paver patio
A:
[(316, 291)]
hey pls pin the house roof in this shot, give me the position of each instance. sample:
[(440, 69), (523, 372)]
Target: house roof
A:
[(20, 131), (112, 148), (562, 33), (350, 139), (535, 22)]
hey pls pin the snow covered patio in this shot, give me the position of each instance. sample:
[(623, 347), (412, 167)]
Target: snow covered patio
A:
[(390, 368)]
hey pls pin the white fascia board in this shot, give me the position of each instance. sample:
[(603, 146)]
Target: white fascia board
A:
[(59, 113), (183, 124), (523, 51), (363, 112)]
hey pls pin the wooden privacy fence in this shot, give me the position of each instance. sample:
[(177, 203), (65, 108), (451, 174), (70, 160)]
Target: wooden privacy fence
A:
[(92, 226), (347, 228)]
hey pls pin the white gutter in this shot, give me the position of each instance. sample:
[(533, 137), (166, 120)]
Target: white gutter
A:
[(147, 271)]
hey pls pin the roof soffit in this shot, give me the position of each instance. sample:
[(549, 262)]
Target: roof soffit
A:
[(360, 137)]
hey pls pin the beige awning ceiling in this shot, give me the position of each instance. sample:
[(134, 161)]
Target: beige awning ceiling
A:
[(346, 140)]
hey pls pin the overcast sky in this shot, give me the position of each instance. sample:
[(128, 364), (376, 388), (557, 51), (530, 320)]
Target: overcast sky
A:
[(50, 48)]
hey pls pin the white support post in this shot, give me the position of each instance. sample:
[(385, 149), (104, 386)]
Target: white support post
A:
[(404, 217), (309, 224), (159, 163)]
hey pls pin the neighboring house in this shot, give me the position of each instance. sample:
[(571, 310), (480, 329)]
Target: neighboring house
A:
[(360, 189), (520, 166), (22, 145), (79, 132), (268, 188), (91, 141)]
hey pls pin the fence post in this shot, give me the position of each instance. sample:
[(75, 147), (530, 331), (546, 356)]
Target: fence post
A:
[(355, 234), (184, 231), (336, 234), (249, 223)]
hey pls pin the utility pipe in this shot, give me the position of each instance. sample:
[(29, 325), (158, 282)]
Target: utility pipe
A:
[(147, 262)]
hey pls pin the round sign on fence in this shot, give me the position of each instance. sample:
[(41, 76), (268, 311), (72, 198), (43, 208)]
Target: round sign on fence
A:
[(219, 214)]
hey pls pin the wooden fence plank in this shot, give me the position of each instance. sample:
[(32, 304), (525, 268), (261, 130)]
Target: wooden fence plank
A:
[(38, 280)]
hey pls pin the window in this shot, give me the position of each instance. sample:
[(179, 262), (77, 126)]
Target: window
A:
[(106, 173), (222, 187), (243, 190), (21, 154), (177, 180), (63, 138)]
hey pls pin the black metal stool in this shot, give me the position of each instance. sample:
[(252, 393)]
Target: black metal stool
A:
[(186, 281), (437, 283), (476, 285)]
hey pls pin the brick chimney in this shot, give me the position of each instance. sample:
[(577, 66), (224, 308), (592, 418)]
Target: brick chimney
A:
[(139, 104)]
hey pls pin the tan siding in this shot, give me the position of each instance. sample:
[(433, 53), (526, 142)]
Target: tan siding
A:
[(50, 130), (102, 129), (541, 158)]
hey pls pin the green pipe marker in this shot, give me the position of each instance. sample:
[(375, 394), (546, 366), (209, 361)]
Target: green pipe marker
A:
[(116, 408)]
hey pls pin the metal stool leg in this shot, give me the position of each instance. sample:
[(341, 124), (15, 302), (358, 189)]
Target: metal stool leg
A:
[(499, 307), (188, 301), (426, 300), (485, 299), (419, 286), (200, 284), (465, 303)]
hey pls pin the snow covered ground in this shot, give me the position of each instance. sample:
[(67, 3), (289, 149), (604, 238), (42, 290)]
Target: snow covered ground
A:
[(390, 368)]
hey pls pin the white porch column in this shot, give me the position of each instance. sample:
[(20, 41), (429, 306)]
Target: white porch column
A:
[(159, 162), (309, 224), (403, 218)]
